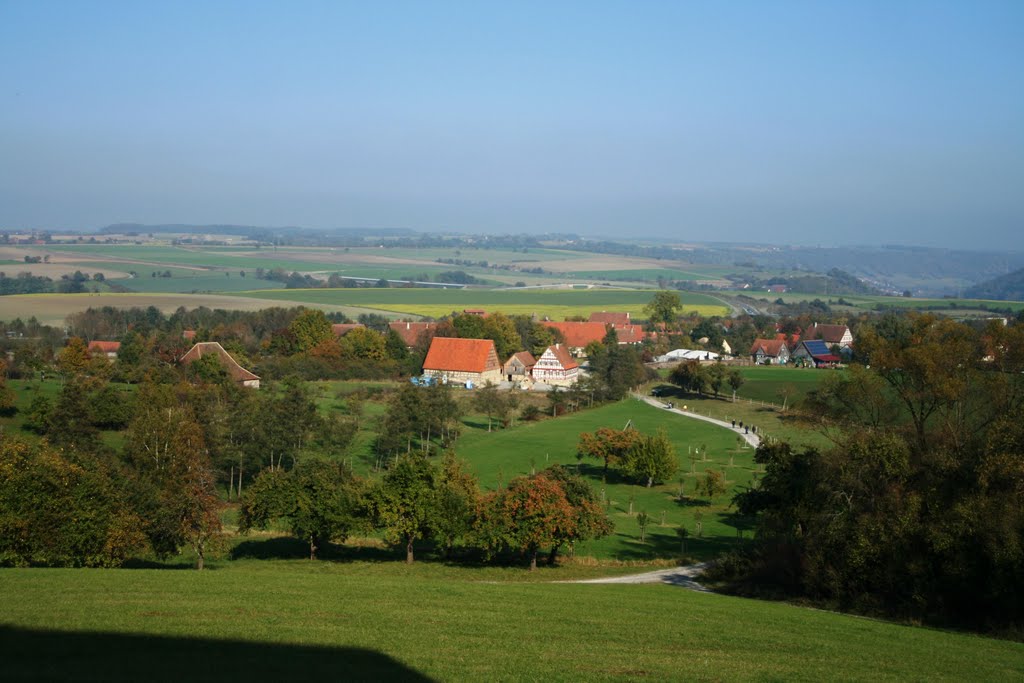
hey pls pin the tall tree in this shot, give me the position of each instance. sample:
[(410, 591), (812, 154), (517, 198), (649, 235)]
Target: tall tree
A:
[(404, 503), (663, 307)]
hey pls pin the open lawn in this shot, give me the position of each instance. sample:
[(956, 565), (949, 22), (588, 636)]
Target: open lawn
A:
[(370, 620), (764, 382), (499, 456), (554, 303)]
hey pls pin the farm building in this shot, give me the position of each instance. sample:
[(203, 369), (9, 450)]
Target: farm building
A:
[(578, 334), (556, 367), (341, 329), (462, 360), (816, 351), (519, 366), (769, 352), (611, 318), (104, 348), (234, 370), (411, 332), (838, 335)]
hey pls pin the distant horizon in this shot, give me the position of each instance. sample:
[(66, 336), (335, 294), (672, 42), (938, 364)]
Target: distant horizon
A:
[(463, 233)]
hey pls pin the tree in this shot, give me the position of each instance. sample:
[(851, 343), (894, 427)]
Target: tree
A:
[(6, 395), (786, 392), (716, 377), (74, 358), (663, 307), (642, 520), (309, 328), (713, 484), (683, 533), (651, 459), (532, 512), (404, 503), (63, 509), (318, 499), (610, 445), (590, 521), (457, 494), (736, 381), (364, 343), (492, 403), (690, 376)]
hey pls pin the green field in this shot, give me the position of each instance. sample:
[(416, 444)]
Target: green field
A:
[(362, 619), (643, 274), (765, 381), (858, 301), (554, 303)]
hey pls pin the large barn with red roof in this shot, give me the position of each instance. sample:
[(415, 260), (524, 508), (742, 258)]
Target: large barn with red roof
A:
[(452, 359)]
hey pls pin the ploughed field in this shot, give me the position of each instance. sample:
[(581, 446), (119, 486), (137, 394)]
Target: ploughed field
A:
[(367, 620)]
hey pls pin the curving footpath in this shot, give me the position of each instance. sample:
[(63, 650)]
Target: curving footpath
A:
[(752, 439), (684, 577)]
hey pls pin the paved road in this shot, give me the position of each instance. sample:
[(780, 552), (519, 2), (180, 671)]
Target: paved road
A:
[(752, 439), (685, 577)]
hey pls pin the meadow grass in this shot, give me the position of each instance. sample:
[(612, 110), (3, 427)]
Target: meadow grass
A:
[(498, 456), (763, 382), (279, 620)]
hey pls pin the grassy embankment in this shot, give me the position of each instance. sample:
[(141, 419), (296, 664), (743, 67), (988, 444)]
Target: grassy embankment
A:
[(278, 620)]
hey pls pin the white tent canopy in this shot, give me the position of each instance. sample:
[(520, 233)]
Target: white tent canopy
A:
[(687, 354)]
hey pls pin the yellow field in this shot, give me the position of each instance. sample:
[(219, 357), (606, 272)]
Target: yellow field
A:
[(554, 311)]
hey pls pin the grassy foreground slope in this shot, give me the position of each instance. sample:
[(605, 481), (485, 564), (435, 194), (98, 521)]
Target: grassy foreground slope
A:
[(279, 620)]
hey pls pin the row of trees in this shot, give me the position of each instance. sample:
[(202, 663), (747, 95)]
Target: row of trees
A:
[(419, 502)]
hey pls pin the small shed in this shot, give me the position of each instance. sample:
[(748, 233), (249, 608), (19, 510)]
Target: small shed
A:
[(519, 366)]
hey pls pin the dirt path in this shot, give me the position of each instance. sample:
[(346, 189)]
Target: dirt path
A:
[(685, 577), (752, 439)]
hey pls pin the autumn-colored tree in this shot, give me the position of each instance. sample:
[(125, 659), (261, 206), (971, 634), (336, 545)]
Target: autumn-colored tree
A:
[(6, 394), (73, 358), (713, 484), (502, 330), (591, 521), (607, 444), (532, 512)]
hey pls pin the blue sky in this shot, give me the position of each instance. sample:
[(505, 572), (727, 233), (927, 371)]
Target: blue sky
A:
[(805, 122)]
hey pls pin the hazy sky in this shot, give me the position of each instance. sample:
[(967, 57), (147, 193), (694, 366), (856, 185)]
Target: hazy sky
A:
[(809, 122)]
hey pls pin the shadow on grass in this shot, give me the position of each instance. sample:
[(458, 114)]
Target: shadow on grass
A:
[(29, 654), (289, 548), (144, 563)]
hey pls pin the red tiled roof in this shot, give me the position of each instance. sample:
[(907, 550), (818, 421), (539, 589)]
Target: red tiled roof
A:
[(235, 371), (828, 358), (410, 332), (563, 356), (612, 318), (832, 334), (104, 346), (525, 357), (188, 335), (341, 329), (460, 355), (630, 334), (578, 335), (772, 347)]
